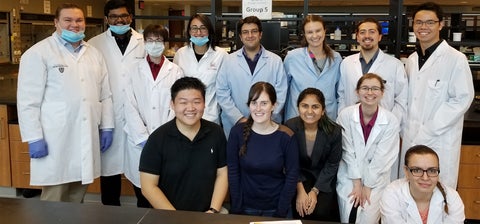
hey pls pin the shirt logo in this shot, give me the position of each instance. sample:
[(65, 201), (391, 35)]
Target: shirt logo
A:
[(211, 151), (61, 68)]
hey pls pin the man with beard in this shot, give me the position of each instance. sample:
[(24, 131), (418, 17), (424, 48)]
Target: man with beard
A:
[(372, 60), (241, 69)]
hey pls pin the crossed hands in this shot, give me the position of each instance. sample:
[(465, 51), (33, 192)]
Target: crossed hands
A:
[(305, 203), (360, 194)]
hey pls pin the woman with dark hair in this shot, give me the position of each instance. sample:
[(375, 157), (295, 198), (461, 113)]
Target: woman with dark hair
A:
[(314, 65), (262, 159), (320, 151), (420, 197), (201, 59), (370, 142)]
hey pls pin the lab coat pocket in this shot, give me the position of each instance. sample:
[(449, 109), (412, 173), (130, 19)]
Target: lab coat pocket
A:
[(53, 117), (434, 87)]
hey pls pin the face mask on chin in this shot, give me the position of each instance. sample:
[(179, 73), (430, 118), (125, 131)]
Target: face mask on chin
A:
[(199, 41), (71, 36), (121, 29)]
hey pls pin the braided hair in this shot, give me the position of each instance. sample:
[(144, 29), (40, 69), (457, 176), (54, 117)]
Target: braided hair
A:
[(425, 150), (255, 91)]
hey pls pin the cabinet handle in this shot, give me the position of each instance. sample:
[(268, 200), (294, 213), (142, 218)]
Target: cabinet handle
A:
[(28, 173), (3, 127), (478, 154), (476, 202), (478, 178)]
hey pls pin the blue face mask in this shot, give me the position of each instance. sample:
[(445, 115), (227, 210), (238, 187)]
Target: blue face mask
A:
[(199, 41), (71, 36), (122, 29)]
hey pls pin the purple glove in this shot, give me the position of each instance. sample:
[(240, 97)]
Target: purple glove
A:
[(142, 144), (38, 149), (106, 138)]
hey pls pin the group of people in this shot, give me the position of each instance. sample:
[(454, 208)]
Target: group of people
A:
[(314, 136)]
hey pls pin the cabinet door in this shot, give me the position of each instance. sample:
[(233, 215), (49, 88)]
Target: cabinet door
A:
[(5, 174), (471, 200)]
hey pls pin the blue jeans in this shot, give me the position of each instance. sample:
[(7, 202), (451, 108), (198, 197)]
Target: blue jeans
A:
[(258, 212), (268, 213)]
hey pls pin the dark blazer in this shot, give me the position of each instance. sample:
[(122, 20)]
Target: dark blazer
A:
[(321, 169)]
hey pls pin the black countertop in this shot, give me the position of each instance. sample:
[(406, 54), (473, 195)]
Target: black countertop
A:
[(34, 211)]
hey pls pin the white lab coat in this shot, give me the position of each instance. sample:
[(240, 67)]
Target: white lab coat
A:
[(389, 68), (65, 100), (398, 206), (439, 95), (118, 65), (395, 96), (369, 161), (206, 70), (147, 107)]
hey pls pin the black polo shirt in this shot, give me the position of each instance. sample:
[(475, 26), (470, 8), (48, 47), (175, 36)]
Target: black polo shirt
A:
[(187, 169), (422, 58)]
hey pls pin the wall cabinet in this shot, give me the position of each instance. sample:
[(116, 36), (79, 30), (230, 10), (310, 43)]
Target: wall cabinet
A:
[(469, 180)]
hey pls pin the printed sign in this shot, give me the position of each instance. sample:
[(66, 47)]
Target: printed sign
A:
[(259, 8)]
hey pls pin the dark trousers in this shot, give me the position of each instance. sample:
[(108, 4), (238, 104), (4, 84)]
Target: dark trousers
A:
[(142, 202), (110, 188), (326, 208)]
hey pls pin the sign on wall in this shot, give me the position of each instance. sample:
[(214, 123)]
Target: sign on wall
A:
[(259, 8)]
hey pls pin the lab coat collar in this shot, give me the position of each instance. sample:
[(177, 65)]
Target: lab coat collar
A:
[(436, 204), (441, 50), (262, 61), (135, 40)]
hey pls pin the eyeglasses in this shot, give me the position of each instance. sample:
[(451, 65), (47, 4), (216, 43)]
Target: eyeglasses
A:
[(195, 29), (418, 172), (154, 41), (115, 17), (428, 22), (374, 89), (246, 32)]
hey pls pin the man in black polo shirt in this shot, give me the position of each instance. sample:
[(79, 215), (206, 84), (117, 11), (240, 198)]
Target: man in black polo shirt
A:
[(183, 165)]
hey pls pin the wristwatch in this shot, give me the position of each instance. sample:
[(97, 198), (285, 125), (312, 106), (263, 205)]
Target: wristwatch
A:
[(314, 189)]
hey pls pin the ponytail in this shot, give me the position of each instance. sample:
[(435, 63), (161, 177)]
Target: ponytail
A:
[(247, 129), (442, 190)]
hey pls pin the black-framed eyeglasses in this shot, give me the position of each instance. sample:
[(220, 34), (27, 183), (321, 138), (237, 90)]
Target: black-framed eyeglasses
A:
[(428, 22), (374, 89), (115, 17), (418, 172), (149, 40), (195, 29)]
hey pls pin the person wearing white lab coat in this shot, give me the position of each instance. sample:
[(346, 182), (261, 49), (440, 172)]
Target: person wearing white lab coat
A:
[(440, 92), (147, 104), (63, 100), (420, 197), (238, 73), (122, 48), (370, 141), (202, 59), (372, 59), (314, 65)]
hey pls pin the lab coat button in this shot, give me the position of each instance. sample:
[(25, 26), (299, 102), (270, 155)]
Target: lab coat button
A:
[(153, 108)]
